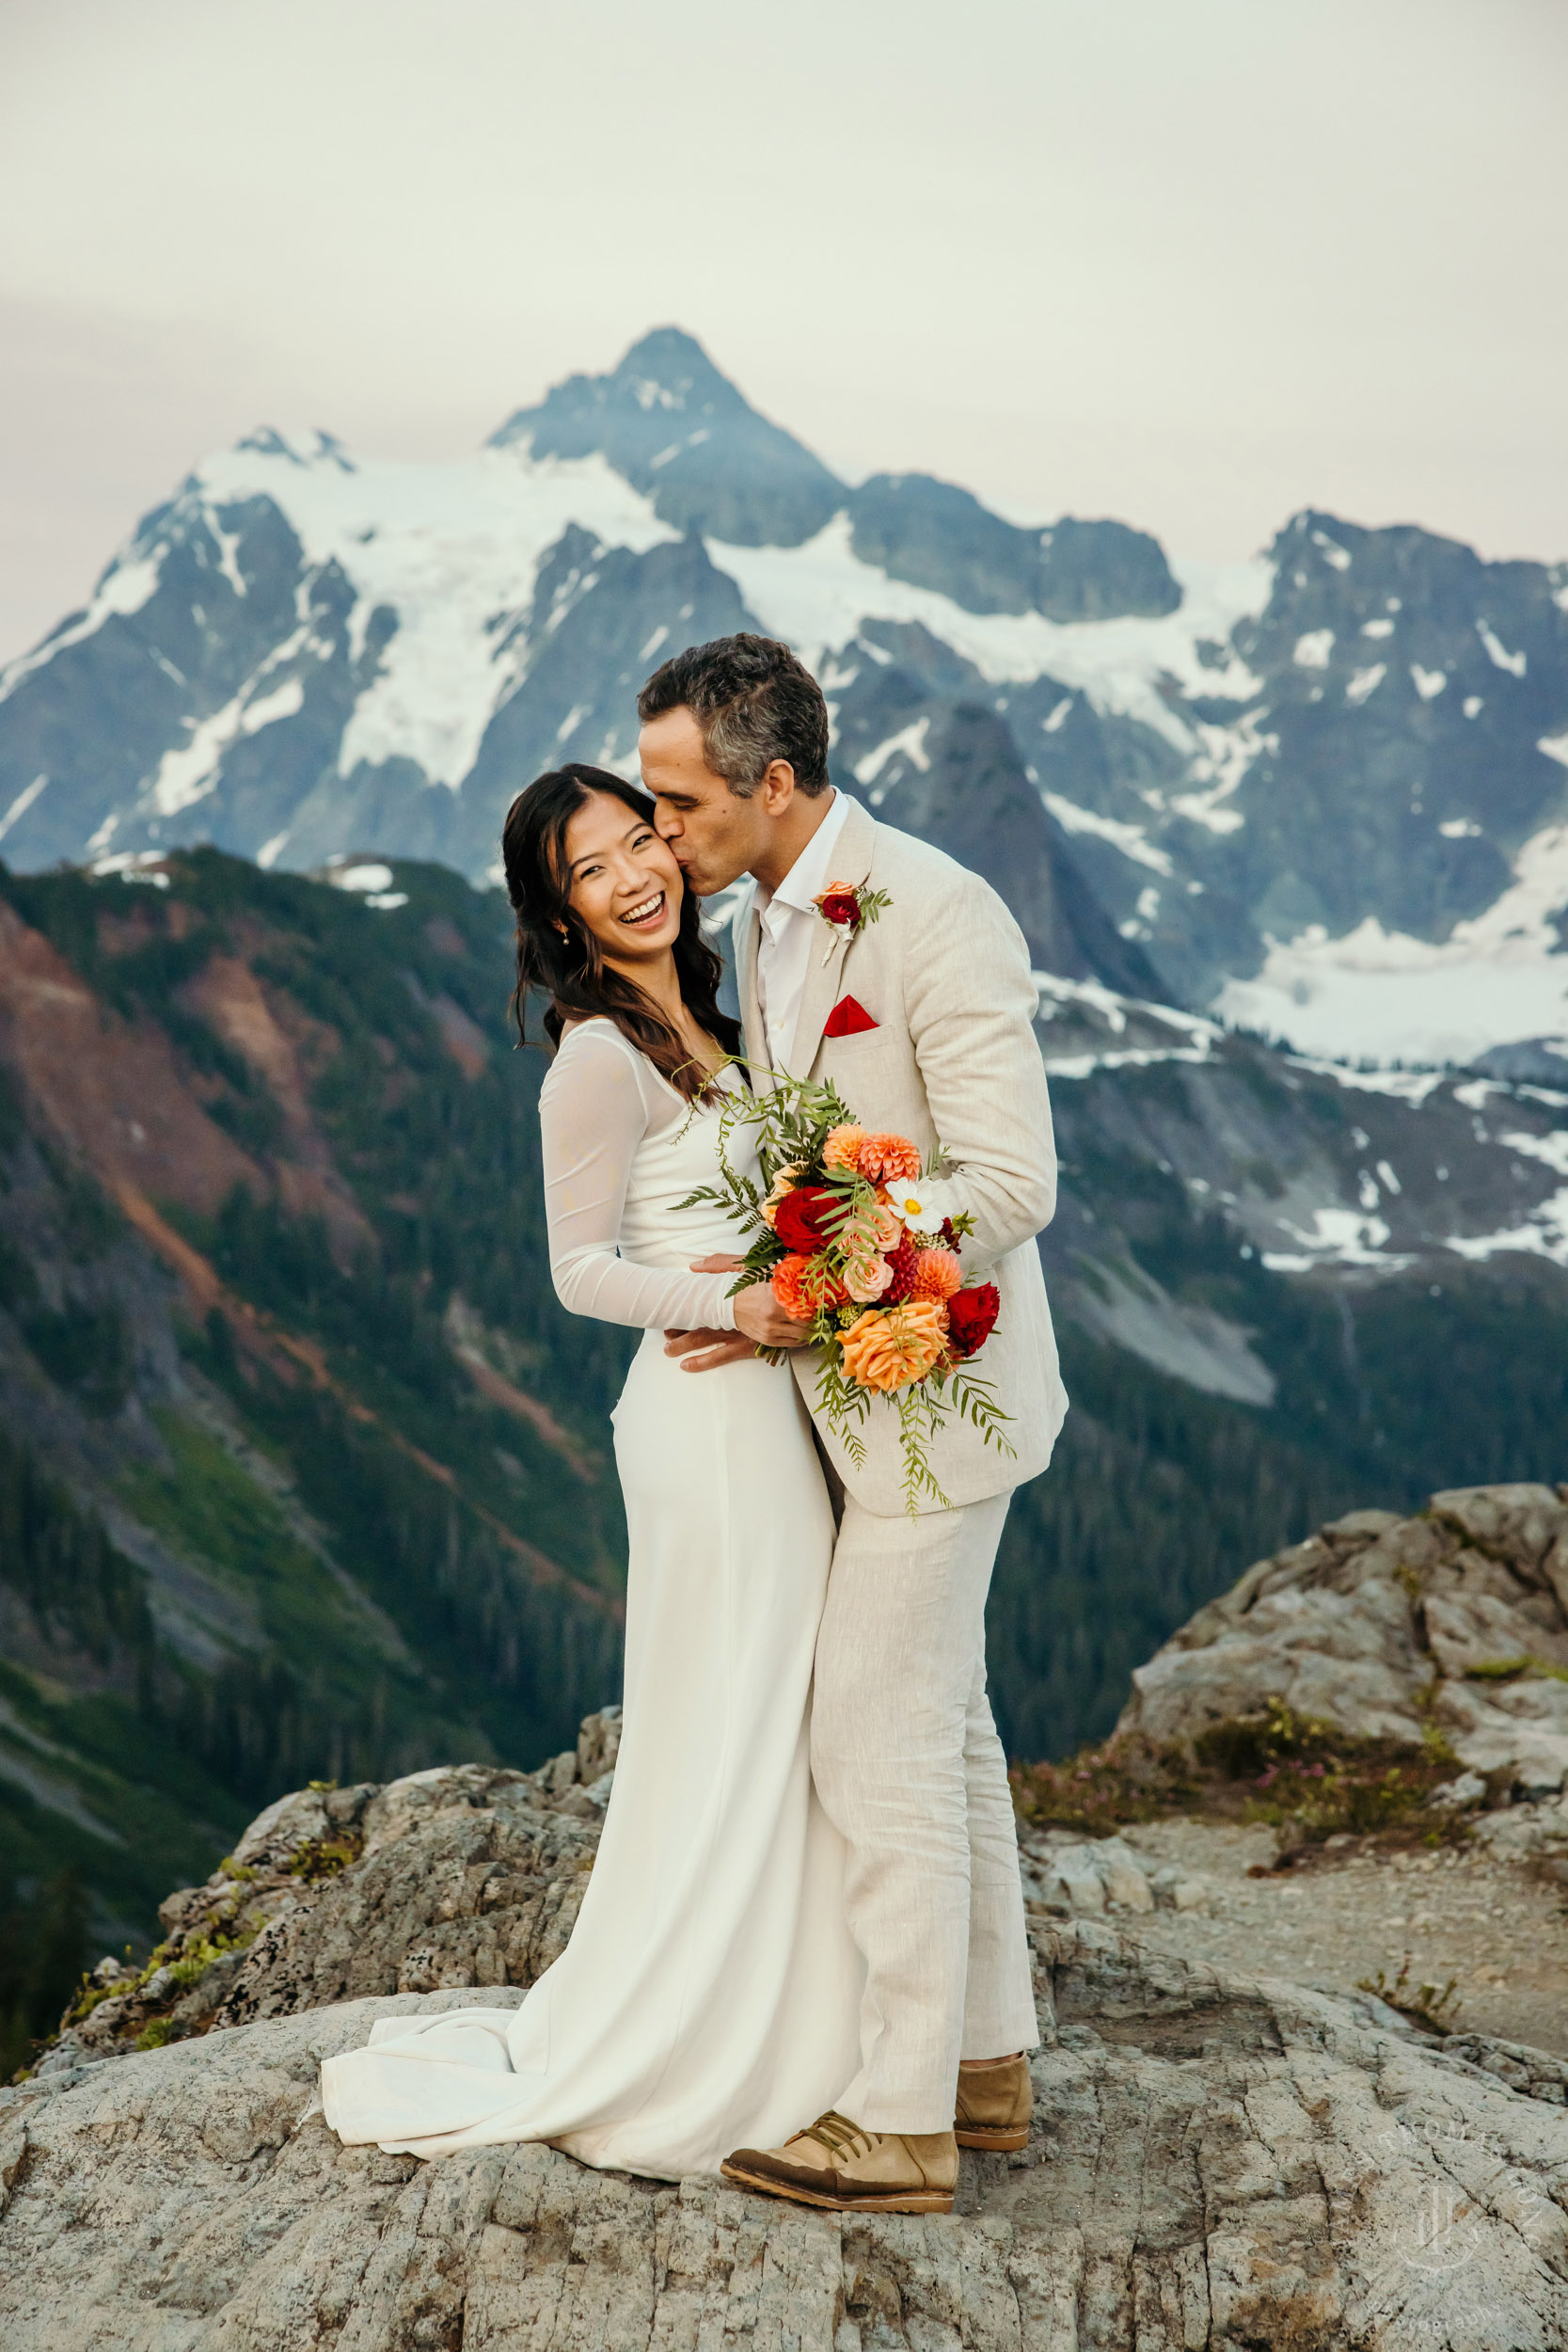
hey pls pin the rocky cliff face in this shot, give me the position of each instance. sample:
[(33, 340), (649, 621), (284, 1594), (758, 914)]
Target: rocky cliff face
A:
[(1455, 1620), (1322, 791), (1216, 2161)]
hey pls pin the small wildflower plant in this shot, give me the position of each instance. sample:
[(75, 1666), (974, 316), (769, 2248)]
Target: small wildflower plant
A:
[(861, 1242)]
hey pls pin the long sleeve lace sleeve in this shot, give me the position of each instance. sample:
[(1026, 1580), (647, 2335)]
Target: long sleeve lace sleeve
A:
[(594, 1112)]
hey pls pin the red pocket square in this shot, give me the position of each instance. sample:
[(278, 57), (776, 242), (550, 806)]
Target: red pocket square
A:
[(848, 1019)]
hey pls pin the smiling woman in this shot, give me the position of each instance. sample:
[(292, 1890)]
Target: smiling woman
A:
[(607, 927)]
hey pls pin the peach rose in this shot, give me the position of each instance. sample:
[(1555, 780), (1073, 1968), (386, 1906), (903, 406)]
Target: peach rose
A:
[(936, 1274), (891, 1350), (866, 1278), (883, 1157)]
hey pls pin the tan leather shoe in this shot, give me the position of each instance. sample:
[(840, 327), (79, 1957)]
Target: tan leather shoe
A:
[(838, 2165), (995, 2101)]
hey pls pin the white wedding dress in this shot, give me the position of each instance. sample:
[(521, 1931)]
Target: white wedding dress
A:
[(710, 1997)]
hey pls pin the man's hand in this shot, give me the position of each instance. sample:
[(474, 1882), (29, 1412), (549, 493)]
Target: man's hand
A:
[(760, 1322), (705, 1350)]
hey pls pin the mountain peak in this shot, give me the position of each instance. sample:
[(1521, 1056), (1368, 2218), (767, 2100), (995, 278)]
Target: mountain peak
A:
[(674, 427), (314, 448), (667, 368)]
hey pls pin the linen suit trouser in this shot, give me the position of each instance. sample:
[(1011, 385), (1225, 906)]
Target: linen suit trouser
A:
[(909, 1769)]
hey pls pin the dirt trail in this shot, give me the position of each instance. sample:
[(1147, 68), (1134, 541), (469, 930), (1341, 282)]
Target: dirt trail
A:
[(1491, 1922)]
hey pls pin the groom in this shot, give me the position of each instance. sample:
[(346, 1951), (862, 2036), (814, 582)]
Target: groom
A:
[(921, 1019)]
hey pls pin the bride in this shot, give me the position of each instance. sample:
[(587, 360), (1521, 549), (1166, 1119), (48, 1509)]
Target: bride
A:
[(709, 1996)]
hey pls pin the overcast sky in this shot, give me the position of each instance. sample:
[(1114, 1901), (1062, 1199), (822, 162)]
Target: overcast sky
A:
[(1191, 262)]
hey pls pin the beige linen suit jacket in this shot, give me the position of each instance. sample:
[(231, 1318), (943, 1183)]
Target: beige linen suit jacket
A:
[(953, 1061)]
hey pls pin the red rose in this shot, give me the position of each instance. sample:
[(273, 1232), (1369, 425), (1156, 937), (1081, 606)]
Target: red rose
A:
[(972, 1317), (799, 1220), (840, 906)]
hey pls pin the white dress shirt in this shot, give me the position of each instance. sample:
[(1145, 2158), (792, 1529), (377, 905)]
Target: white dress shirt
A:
[(790, 925)]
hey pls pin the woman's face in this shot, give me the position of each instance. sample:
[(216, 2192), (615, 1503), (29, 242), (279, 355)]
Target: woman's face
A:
[(624, 884)]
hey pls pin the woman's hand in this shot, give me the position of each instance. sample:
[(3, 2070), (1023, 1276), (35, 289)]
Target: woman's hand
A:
[(760, 1322)]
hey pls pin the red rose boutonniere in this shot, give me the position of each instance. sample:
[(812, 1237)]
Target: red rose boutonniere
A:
[(847, 905)]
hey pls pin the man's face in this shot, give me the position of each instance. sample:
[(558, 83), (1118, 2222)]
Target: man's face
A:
[(715, 835)]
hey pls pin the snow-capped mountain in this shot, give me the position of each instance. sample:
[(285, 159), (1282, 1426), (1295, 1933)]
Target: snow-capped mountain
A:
[(1323, 793)]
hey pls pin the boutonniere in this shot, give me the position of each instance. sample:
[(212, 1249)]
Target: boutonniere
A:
[(845, 906)]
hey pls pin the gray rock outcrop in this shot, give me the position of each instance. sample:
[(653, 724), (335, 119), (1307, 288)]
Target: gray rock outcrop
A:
[(1455, 1618), (1214, 2163), (465, 1875)]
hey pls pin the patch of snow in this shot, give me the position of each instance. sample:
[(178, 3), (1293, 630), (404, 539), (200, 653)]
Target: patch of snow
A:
[(1377, 628), (1459, 829), (22, 803), (910, 740), (1406, 1086), (1497, 977), (654, 643), (1555, 747), (1498, 655), (266, 856), (1332, 551), (1366, 683), (228, 546), (188, 774), (1386, 1177), (385, 901), (1428, 683), (1313, 649), (446, 547), (369, 877), (1544, 1234), (1551, 1149), (1056, 716), (125, 587), (1129, 839), (1225, 755), (134, 865), (1057, 993), (263, 709), (1102, 1000), (818, 596), (1070, 1066), (1339, 1237), (1474, 706)]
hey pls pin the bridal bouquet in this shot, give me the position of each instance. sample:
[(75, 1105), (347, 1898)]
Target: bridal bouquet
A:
[(859, 1242)]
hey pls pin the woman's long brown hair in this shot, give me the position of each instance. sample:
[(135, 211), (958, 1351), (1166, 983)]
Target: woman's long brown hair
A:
[(558, 954)]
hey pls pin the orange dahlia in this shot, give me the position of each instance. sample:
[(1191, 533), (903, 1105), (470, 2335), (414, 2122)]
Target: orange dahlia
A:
[(936, 1274), (842, 1146), (893, 1349), (885, 1157), (800, 1286)]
